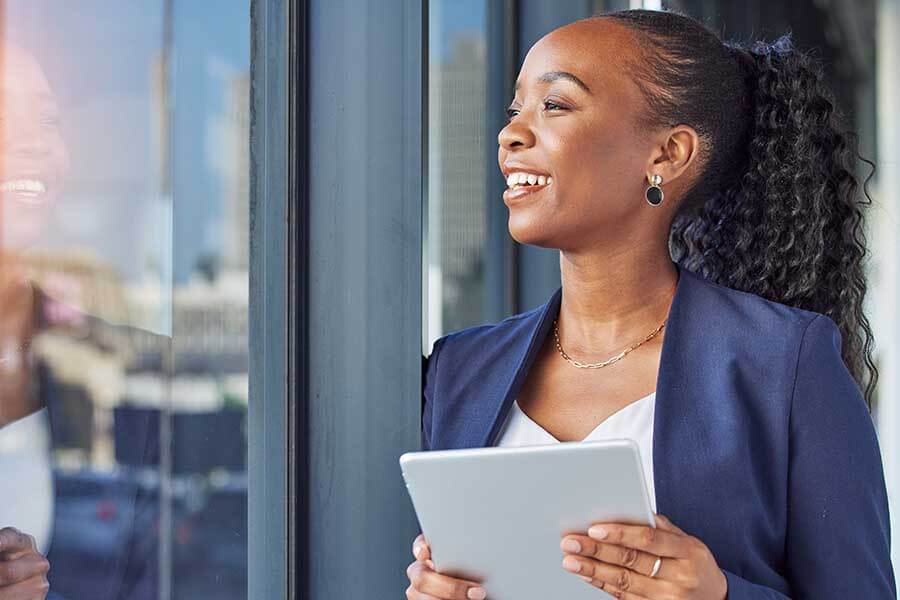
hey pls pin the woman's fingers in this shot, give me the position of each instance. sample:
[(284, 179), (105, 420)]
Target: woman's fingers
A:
[(607, 576), (614, 591), (427, 584), (23, 571), (655, 540), (13, 542), (631, 558), (427, 581), (413, 594), (27, 566), (420, 548), (35, 588)]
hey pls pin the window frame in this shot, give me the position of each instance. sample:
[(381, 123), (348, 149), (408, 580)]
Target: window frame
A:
[(277, 326)]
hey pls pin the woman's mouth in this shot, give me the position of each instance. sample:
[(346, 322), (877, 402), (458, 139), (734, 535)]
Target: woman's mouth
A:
[(30, 191), (524, 185)]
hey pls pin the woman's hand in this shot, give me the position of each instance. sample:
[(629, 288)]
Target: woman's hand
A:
[(427, 584), (23, 570), (620, 561)]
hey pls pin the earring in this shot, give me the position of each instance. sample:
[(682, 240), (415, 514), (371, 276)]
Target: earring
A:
[(654, 193)]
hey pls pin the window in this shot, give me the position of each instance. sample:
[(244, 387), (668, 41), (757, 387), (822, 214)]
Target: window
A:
[(457, 165), (125, 239)]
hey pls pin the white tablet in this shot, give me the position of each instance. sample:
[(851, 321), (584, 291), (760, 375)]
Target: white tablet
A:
[(497, 515)]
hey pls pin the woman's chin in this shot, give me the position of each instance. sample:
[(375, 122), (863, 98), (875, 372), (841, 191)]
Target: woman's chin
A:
[(533, 233), (24, 235)]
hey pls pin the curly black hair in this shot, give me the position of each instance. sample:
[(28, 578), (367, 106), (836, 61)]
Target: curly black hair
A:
[(776, 210)]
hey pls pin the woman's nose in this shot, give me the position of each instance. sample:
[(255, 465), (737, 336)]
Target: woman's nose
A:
[(25, 139), (516, 133)]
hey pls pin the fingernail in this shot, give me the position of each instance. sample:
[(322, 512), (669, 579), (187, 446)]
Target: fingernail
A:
[(476, 593), (597, 532), (570, 563), (418, 552), (570, 545), (586, 578)]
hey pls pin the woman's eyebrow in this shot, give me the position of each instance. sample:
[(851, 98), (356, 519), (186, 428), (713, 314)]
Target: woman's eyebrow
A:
[(554, 75)]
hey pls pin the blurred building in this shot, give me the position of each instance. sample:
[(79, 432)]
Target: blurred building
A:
[(235, 174), (460, 177)]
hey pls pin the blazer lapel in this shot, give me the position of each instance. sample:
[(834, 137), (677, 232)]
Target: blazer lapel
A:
[(679, 364), (524, 348)]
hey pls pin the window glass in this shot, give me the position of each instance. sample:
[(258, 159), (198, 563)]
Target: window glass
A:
[(456, 228), (124, 243)]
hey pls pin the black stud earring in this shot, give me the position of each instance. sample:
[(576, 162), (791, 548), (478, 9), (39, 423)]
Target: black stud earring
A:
[(654, 193)]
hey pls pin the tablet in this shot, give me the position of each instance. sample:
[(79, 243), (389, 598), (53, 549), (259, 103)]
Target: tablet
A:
[(497, 515)]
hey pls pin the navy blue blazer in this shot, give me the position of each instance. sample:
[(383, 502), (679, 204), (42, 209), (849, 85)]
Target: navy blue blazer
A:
[(763, 447)]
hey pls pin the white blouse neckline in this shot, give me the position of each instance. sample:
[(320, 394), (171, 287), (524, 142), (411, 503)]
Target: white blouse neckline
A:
[(603, 424)]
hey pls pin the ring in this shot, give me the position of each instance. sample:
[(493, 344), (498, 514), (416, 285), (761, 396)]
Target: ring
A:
[(656, 566)]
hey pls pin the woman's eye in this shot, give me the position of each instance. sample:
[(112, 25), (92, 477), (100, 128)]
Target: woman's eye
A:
[(548, 105)]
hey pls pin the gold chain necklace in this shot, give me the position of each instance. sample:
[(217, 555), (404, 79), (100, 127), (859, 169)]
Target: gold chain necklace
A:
[(609, 361)]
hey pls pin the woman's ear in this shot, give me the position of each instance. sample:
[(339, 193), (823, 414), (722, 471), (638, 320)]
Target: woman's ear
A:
[(675, 154)]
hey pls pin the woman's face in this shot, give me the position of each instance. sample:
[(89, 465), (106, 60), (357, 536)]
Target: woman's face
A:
[(33, 156), (586, 140)]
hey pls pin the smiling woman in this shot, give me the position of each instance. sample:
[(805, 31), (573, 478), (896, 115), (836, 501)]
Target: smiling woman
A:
[(747, 270), (34, 160)]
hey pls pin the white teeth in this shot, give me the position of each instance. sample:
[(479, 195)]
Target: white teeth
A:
[(521, 178), (24, 185)]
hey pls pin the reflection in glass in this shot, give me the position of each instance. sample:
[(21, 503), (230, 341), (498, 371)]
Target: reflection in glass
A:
[(124, 243), (456, 231)]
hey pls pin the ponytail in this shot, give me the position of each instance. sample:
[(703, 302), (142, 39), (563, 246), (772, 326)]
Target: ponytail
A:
[(777, 209)]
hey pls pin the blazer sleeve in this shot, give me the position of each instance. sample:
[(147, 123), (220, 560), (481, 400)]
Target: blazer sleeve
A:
[(429, 374), (838, 531), (741, 589)]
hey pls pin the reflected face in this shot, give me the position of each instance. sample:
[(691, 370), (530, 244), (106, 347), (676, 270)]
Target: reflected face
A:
[(573, 120), (33, 156)]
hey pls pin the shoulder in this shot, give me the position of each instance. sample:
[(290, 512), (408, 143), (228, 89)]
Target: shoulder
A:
[(807, 344), (477, 336), (769, 336), (745, 312)]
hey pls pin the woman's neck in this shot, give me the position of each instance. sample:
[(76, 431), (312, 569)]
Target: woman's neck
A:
[(610, 302)]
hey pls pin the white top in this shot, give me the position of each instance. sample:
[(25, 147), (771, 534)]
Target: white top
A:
[(26, 472), (634, 421)]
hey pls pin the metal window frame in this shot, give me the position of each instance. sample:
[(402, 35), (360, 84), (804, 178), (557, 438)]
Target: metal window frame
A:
[(277, 319), (362, 293)]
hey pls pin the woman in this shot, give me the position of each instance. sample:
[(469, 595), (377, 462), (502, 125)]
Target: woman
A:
[(34, 165), (34, 161), (748, 351)]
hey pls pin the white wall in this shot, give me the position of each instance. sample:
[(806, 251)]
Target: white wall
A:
[(885, 227)]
